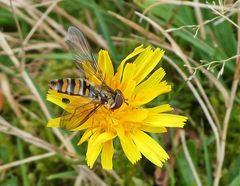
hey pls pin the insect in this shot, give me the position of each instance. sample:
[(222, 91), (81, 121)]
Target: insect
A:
[(98, 94)]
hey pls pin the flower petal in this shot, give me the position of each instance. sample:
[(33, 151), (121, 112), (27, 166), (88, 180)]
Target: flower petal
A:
[(152, 129), (86, 135), (130, 149), (91, 157), (154, 79), (127, 83), (145, 95), (92, 150), (107, 155), (120, 69), (149, 148), (128, 73), (134, 115), (166, 120), (160, 108), (87, 124), (128, 90), (103, 137), (57, 98), (95, 145), (105, 64), (55, 122), (146, 62)]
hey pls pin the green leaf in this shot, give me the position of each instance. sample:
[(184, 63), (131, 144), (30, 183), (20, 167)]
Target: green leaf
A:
[(207, 159), (104, 28), (236, 181), (138, 181), (62, 175), (12, 181), (183, 166), (232, 175), (6, 17), (23, 167), (57, 56), (196, 42), (226, 38)]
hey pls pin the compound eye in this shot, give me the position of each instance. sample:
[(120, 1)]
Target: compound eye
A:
[(118, 101)]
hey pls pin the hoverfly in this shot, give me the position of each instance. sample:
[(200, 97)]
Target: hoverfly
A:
[(98, 94)]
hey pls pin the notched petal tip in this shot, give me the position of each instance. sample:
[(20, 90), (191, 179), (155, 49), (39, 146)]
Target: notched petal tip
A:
[(150, 148), (107, 155), (166, 120)]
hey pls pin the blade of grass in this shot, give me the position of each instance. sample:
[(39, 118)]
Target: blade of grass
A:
[(171, 174), (23, 167), (104, 29), (189, 158), (56, 56), (26, 160), (206, 158), (89, 33), (61, 175)]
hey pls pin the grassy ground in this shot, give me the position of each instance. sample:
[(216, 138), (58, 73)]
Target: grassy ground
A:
[(202, 61)]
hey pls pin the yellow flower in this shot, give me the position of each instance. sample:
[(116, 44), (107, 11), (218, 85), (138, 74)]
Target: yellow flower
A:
[(139, 85)]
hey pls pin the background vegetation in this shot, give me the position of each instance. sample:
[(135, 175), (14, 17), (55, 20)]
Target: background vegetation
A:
[(202, 43)]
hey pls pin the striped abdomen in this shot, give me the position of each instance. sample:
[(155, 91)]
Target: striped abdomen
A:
[(78, 87)]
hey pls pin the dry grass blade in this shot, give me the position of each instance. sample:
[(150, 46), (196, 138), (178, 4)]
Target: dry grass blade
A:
[(33, 89), (200, 20), (9, 129), (11, 38), (92, 177), (79, 180), (235, 83), (4, 84), (45, 27), (43, 3), (180, 53), (32, 18), (225, 17), (191, 4), (7, 70), (200, 101), (89, 33), (39, 22), (51, 22), (8, 51), (18, 12), (210, 76), (174, 45), (1, 101), (35, 46), (26, 160), (30, 113), (136, 27), (218, 85), (189, 159), (25, 76)]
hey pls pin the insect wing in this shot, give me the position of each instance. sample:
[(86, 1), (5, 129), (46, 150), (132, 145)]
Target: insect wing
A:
[(82, 54), (78, 116)]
